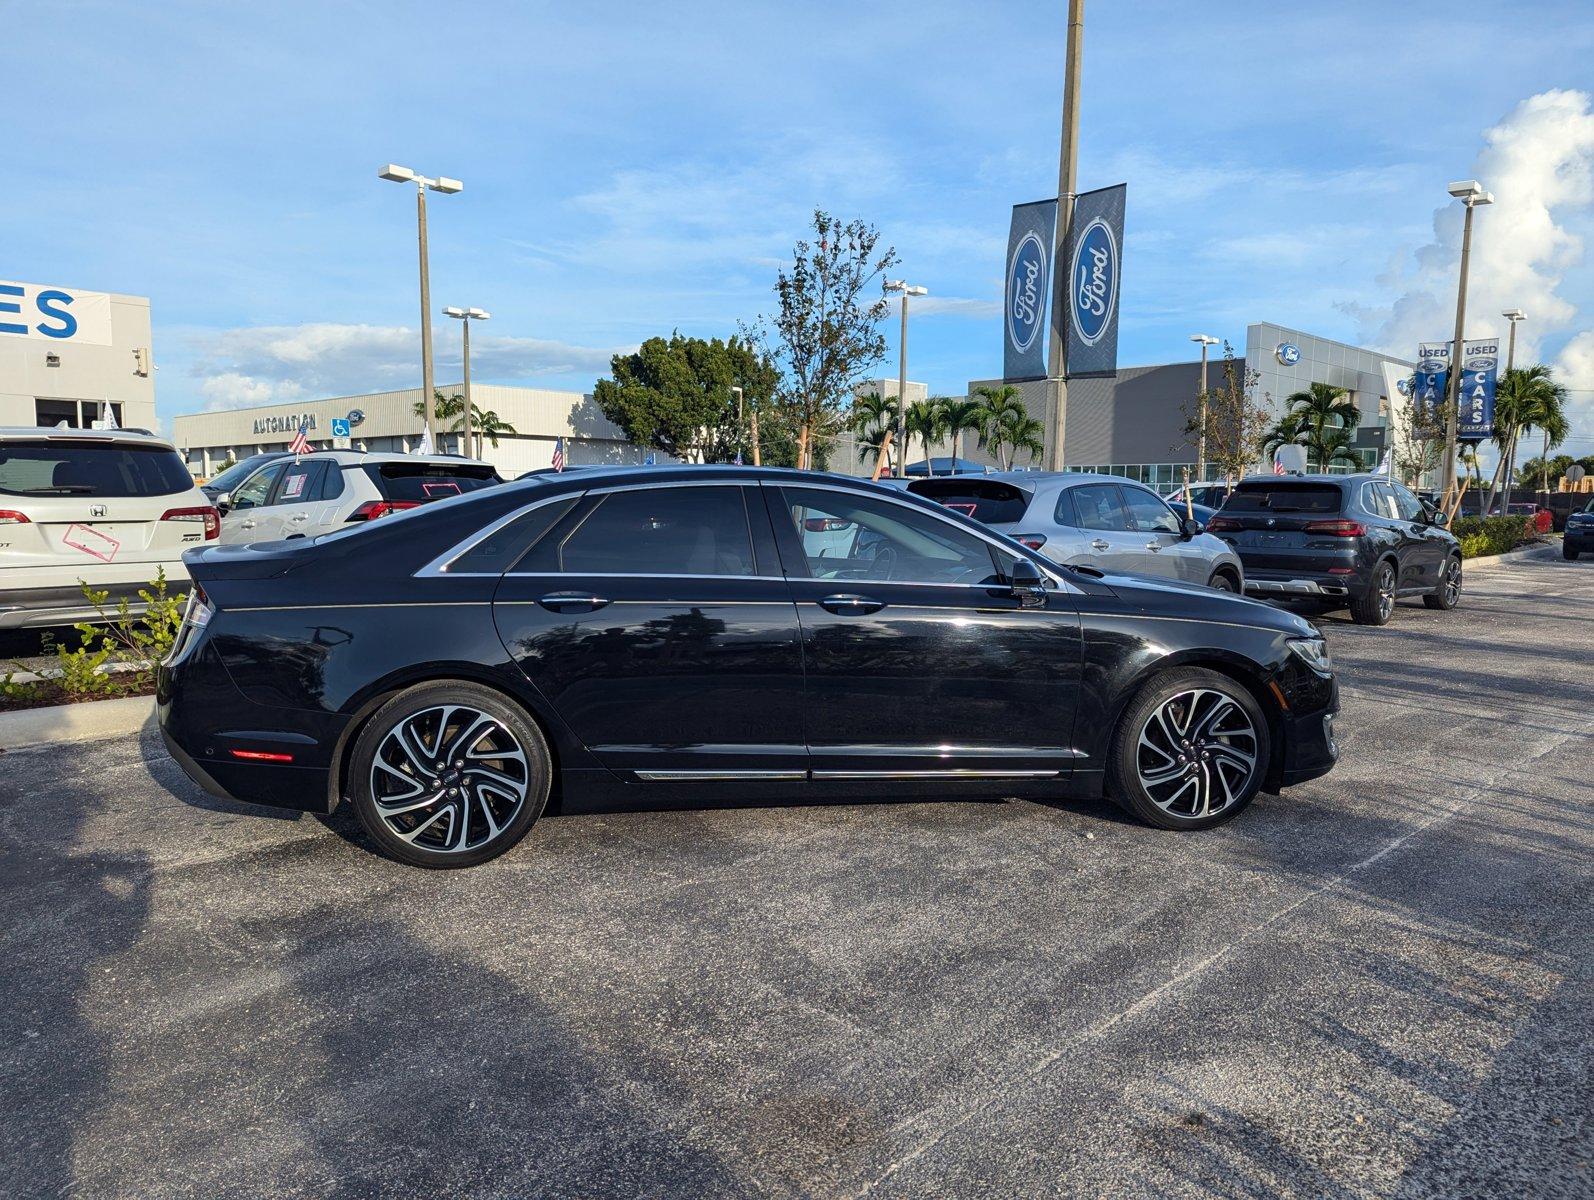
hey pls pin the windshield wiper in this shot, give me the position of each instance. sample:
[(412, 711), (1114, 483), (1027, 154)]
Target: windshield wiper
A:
[(59, 489)]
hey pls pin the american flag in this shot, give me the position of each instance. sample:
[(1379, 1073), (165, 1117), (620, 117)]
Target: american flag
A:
[(559, 455), (299, 445), (1278, 467)]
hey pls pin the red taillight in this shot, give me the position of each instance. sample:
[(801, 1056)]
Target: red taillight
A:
[(261, 756), (825, 524), (1337, 528), (9, 516), (205, 513), (1033, 540), (1223, 525), (372, 509)]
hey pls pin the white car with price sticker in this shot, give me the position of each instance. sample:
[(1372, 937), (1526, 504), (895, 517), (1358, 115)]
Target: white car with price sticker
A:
[(105, 507)]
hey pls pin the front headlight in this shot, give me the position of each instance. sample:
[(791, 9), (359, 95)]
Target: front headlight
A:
[(1313, 651)]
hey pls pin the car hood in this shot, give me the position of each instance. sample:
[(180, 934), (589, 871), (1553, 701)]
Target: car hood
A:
[(1172, 598)]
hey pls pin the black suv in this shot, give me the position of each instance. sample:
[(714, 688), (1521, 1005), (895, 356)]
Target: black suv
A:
[(1356, 540)]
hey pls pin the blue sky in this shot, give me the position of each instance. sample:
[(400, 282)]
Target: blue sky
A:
[(633, 168)]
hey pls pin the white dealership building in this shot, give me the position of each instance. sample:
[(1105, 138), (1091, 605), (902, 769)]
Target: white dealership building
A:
[(387, 421), (72, 355)]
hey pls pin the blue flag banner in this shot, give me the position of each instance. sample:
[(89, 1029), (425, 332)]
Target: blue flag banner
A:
[(1480, 362), (1433, 375), (1095, 266), (1030, 242)]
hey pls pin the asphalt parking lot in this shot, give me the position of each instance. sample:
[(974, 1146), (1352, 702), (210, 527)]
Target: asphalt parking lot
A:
[(1377, 984)]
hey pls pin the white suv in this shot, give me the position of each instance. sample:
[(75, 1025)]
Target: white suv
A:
[(109, 508), (320, 492)]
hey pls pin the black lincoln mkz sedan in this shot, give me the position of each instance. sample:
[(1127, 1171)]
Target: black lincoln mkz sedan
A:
[(718, 635)]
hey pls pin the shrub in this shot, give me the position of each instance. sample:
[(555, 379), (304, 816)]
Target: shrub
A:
[(1492, 535)]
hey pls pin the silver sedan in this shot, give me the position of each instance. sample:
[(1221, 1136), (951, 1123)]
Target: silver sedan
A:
[(1098, 521)]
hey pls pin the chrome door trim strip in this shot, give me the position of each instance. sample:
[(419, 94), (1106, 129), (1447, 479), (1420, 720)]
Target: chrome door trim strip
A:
[(438, 567), (709, 776), (952, 773)]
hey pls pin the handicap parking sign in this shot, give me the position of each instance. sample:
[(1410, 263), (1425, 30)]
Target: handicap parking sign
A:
[(340, 427)]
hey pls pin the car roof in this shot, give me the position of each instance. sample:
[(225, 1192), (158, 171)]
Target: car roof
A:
[(39, 433), (1353, 477)]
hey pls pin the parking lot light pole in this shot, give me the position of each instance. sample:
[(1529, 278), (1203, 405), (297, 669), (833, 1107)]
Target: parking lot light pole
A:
[(1470, 192), (1513, 315), (465, 316), (394, 173), (907, 289), (1206, 339), (741, 435)]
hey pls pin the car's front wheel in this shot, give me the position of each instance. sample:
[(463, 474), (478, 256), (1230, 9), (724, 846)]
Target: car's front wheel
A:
[(1448, 594), (1190, 751), (449, 775), (1567, 552)]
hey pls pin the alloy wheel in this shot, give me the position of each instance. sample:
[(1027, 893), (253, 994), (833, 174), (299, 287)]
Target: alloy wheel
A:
[(1197, 753), (1452, 582), (1386, 592), (449, 779)]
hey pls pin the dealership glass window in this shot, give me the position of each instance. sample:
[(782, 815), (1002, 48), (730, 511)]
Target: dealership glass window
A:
[(78, 414)]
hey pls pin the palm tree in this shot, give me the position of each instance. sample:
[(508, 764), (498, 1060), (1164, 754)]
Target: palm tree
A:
[(926, 422), (872, 415), (443, 407), (1526, 398), (1026, 433), (484, 423), (1004, 413), (1323, 419), (959, 417)]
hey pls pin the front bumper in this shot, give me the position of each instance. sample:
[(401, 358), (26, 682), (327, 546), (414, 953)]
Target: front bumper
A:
[(1309, 743)]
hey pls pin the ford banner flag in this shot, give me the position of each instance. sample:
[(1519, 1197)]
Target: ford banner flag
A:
[(1095, 264), (1480, 361), (1029, 269), (1433, 375)]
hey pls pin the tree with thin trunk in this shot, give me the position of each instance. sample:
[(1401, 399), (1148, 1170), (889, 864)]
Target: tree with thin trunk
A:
[(1237, 425), (1005, 412), (872, 415), (1525, 399), (831, 303), (960, 417), (926, 422)]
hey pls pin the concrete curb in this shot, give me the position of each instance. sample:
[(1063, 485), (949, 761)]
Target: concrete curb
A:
[(88, 721), (1511, 557)]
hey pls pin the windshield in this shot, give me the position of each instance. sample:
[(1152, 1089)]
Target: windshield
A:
[(1284, 498), (64, 468), (234, 475)]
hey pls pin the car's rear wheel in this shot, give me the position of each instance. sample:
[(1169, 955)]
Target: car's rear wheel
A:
[(1222, 581), (1191, 750), (1377, 604), (449, 775), (1448, 593), (1568, 553)]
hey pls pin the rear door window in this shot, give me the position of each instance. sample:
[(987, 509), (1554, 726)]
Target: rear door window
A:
[(64, 468), (301, 482), (661, 531), (1100, 506), (1284, 498)]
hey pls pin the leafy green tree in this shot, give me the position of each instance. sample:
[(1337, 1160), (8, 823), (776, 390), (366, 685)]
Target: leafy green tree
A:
[(1526, 399), (872, 415), (484, 423), (831, 303), (675, 395), (1237, 425), (925, 420), (1323, 419), (444, 408), (960, 416), (1004, 417)]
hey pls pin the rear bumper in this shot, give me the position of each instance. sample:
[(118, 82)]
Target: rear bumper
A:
[(35, 607), (1334, 586)]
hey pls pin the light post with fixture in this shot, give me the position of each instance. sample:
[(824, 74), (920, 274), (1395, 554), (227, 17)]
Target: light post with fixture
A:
[(397, 174), (907, 289), (740, 434), (1471, 193), (1206, 339), (465, 316), (1513, 315)]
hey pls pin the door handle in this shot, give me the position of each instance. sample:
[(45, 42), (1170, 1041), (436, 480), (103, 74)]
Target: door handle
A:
[(1154, 546), (851, 606), (1100, 544), (297, 517), (248, 524), (572, 602)]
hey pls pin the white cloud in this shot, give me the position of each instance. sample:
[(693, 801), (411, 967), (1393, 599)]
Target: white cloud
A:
[(955, 306), (1539, 163), (1575, 369), (266, 363)]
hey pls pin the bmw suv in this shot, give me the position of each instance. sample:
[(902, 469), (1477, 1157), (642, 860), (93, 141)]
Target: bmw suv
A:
[(1356, 541)]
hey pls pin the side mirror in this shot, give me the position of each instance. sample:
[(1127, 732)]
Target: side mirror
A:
[(1189, 527), (224, 503), (1027, 583), (1439, 519)]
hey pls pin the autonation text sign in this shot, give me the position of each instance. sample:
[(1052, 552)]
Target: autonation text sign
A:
[(54, 314)]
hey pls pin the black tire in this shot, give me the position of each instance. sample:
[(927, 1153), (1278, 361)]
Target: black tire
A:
[(1377, 604), (1448, 594), (1568, 553), (1222, 581), (500, 787), (1213, 759)]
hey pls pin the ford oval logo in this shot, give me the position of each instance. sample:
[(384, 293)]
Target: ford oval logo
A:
[(355, 416), (1094, 274), (1480, 364), (1432, 366), (1288, 353), (1026, 289), (1404, 385)]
